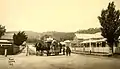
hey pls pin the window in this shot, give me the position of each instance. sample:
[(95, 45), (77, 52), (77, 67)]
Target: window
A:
[(98, 44), (93, 44), (87, 45), (103, 44)]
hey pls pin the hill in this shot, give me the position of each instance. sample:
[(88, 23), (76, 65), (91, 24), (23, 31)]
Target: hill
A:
[(30, 34), (61, 35), (34, 36)]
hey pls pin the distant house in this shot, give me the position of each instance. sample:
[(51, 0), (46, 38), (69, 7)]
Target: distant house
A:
[(50, 39), (67, 43)]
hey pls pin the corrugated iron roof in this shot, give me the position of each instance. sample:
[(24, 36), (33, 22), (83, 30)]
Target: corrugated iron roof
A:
[(7, 36), (89, 36)]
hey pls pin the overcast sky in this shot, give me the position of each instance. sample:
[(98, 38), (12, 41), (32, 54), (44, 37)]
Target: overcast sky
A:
[(51, 15)]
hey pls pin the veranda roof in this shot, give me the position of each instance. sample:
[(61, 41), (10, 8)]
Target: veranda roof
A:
[(88, 36), (4, 41), (93, 41)]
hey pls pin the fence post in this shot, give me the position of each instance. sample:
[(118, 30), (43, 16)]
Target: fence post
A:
[(27, 51), (5, 53)]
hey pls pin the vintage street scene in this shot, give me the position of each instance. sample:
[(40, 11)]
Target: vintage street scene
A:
[(59, 34)]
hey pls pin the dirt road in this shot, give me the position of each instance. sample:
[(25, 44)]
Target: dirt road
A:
[(75, 61)]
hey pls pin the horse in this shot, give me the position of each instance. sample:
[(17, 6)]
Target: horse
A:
[(42, 46)]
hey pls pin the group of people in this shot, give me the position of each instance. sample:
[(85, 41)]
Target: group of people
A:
[(66, 51)]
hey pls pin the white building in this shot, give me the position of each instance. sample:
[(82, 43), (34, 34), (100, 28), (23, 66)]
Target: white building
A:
[(82, 37)]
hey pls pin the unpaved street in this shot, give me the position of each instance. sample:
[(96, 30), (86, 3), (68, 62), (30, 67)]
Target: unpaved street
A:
[(75, 61)]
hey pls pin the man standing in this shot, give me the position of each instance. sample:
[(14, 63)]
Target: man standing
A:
[(63, 50), (60, 45), (68, 51)]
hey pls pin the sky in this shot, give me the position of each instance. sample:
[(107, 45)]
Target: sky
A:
[(51, 15)]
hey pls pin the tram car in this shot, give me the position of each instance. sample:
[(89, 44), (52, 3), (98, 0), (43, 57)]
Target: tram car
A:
[(54, 46)]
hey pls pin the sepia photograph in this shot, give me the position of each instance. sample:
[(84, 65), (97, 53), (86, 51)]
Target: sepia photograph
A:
[(59, 34)]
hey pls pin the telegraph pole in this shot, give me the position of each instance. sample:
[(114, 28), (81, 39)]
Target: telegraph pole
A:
[(27, 54)]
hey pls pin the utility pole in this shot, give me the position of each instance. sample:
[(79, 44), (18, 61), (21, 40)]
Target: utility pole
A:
[(27, 54)]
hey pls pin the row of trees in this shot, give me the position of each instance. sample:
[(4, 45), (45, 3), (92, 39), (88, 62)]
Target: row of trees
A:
[(89, 31), (18, 38)]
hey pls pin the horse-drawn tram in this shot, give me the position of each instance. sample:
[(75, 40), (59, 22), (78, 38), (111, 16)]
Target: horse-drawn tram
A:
[(49, 46), (54, 47)]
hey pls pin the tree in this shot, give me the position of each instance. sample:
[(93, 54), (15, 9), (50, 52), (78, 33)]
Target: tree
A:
[(110, 22), (44, 36), (67, 36), (33, 40), (89, 31), (2, 30), (19, 38)]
